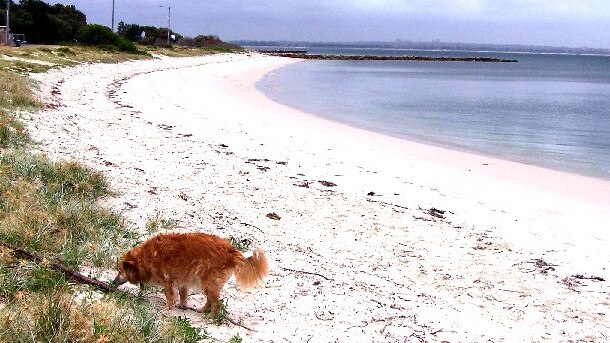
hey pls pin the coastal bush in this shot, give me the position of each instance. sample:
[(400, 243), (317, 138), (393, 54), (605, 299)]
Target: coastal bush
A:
[(214, 44), (102, 36), (225, 49), (64, 50), (186, 41)]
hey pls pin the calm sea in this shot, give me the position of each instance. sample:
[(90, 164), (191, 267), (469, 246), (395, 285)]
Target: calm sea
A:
[(547, 110)]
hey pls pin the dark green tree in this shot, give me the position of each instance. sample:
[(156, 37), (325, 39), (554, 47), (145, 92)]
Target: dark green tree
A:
[(152, 35), (102, 36), (45, 24), (132, 32)]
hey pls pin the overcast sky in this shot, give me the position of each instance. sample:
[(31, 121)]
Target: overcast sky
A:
[(573, 23)]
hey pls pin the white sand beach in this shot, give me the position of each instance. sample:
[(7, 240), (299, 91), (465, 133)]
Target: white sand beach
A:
[(403, 242)]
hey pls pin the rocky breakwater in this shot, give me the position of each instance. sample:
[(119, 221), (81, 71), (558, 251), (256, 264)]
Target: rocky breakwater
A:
[(386, 58)]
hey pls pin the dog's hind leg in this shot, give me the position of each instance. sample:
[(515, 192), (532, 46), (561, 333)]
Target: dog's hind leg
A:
[(169, 294), (183, 291), (212, 303), (212, 287)]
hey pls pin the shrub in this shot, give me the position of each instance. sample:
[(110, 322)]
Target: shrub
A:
[(186, 41), (94, 34), (65, 50), (99, 35)]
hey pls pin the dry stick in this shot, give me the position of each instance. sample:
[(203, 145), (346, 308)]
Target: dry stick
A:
[(386, 203), (302, 271), (70, 273), (248, 224), (435, 332), (510, 290), (226, 317), (80, 278)]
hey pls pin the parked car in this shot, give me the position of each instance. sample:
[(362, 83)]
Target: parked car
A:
[(19, 39)]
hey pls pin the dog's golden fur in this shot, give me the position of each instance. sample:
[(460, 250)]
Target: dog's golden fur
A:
[(189, 260)]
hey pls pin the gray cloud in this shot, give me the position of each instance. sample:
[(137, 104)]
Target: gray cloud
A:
[(545, 22)]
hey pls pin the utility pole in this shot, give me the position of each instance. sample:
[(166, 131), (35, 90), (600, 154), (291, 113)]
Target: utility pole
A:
[(169, 21), (112, 27), (8, 12)]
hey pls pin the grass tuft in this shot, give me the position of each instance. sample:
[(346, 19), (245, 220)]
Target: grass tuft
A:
[(57, 316), (65, 51), (241, 244), (158, 222), (20, 278), (220, 317), (12, 132), (50, 207), (57, 180), (15, 91), (181, 327)]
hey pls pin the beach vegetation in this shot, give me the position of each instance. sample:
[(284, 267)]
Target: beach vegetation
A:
[(42, 23), (157, 222), (60, 316), (12, 131), (64, 50), (151, 36), (49, 207), (221, 316), (241, 244), (16, 92), (102, 36), (147, 35)]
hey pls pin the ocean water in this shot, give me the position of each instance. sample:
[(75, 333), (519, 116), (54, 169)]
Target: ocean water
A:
[(546, 110)]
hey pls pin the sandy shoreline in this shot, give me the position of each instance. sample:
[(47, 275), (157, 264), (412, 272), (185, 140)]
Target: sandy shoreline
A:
[(193, 140)]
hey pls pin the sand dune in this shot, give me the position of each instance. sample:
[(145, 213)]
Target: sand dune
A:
[(380, 239)]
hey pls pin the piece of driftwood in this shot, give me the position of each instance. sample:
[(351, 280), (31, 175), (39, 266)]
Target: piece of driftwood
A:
[(229, 319), (256, 227), (70, 273), (273, 216), (385, 203), (310, 273)]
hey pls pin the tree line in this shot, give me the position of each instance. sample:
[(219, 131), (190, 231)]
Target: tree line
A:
[(150, 35), (43, 23)]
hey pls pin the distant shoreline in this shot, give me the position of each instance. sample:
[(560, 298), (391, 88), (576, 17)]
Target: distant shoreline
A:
[(304, 55), (428, 46)]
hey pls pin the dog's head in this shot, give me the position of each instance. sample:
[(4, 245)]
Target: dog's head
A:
[(128, 271)]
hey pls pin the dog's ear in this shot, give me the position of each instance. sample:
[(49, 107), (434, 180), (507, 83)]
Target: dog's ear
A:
[(129, 265)]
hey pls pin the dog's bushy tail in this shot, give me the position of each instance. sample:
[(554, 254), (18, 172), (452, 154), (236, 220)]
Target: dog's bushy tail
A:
[(253, 270)]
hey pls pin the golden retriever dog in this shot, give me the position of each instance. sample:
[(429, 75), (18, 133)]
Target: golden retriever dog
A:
[(191, 261)]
